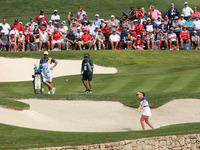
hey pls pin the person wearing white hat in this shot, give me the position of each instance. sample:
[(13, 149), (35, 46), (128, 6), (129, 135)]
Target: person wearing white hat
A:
[(146, 111), (12, 42), (3, 41), (181, 21), (113, 24), (78, 36), (56, 17), (21, 41), (187, 11), (195, 40), (48, 64), (97, 21)]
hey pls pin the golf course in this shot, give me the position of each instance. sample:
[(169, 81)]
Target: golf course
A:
[(165, 76)]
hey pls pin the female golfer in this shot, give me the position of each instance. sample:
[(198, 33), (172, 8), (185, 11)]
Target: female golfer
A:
[(146, 110)]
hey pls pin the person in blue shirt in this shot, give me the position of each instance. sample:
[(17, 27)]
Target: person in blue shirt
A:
[(87, 72), (146, 110), (97, 21), (47, 71), (172, 12), (189, 25)]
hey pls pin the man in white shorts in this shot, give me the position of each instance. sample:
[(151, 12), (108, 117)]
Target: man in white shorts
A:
[(47, 71)]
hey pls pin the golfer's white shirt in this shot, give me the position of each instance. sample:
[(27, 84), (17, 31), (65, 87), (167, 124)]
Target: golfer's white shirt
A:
[(187, 11), (196, 25), (115, 37)]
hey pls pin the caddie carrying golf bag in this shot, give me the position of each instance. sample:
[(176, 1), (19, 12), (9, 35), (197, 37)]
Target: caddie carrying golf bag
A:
[(37, 80)]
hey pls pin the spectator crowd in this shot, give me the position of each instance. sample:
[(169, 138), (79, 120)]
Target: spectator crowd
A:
[(140, 29)]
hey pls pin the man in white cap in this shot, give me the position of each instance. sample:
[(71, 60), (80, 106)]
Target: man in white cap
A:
[(113, 24), (56, 17), (114, 39), (97, 21), (181, 21), (47, 71), (187, 11)]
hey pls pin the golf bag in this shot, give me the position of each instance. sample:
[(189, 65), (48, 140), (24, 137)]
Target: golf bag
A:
[(37, 80)]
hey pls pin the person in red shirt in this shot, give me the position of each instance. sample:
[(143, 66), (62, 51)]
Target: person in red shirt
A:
[(185, 37), (86, 40), (41, 15), (133, 35), (56, 38), (17, 25), (139, 12), (138, 44), (106, 31), (139, 28), (27, 32)]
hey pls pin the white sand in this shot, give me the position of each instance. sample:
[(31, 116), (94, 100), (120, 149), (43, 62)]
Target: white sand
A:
[(21, 69), (97, 116)]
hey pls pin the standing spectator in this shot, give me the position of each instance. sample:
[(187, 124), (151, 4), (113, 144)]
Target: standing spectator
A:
[(114, 39), (189, 26), (36, 33), (70, 40), (139, 12), (196, 24), (144, 13), (6, 27), (81, 12), (161, 39), (91, 27), (195, 40), (38, 17), (106, 30), (132, 14), (154, 13), (56, 17), (176, 26), (78, 36), (97, 21), (12, 42), (86, 40), (100, 38), (195, 13), (32, 24), (32, 42), (44, 39), (3, 41), (138, 43), (27, 31), (70, 18), (181, 21), (17, 25), (150, 40), (185, 37), (163, 26), (172, 12), (173, 39), (127, 40), (56, 39), (113, 24), (21, 41), (87, 72), (187, 11)]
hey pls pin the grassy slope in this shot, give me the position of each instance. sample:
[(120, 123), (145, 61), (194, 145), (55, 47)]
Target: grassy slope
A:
[(11, 137), (23, 10)]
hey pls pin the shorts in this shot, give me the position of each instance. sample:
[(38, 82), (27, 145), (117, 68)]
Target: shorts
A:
[(77, 40), (48, 77), (87, 77), (146, 111), (56, 41)]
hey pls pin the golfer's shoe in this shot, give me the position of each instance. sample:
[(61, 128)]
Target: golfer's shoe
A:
[(53, 90), (49, 92), (90, 91), (87, 91)]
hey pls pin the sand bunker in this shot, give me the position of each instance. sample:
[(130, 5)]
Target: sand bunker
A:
[(21, 69), (97, 116)]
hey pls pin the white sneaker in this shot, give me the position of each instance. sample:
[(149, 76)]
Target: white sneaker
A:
[(53, 90), (49, 92)]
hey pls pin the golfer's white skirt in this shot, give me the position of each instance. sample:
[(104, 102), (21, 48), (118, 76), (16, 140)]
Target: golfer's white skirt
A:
[(146, 111)]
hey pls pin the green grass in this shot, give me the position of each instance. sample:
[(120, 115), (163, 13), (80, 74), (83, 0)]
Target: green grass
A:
[(23, 10), (12, 137)]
